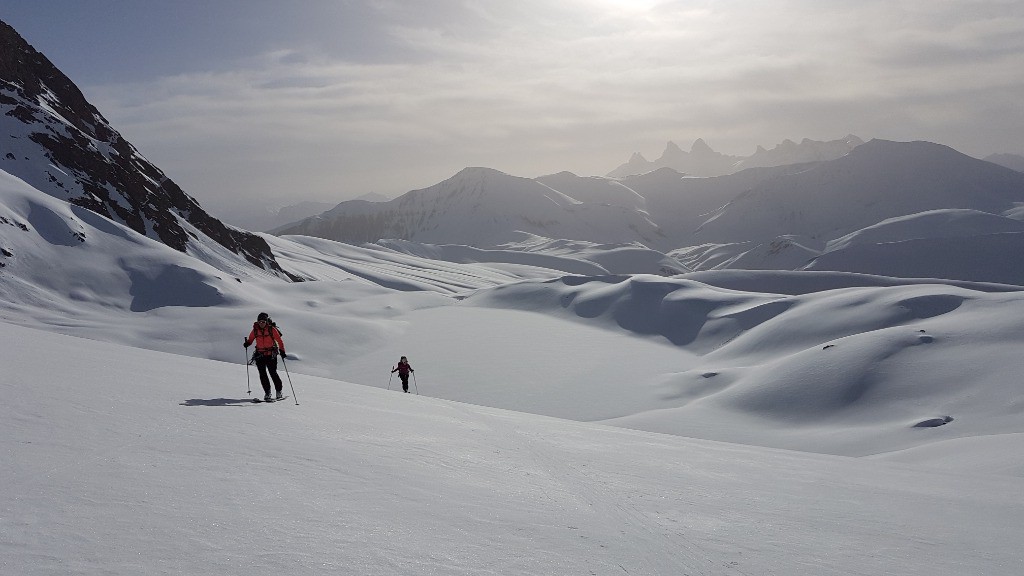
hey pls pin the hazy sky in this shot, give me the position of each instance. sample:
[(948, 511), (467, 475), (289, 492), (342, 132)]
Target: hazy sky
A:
[(279, 101)]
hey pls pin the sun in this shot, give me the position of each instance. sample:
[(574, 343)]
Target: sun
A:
[(627, 6)]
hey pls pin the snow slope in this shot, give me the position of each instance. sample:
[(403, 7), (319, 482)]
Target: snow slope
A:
[(131, 446), (126, 461), (727, 356)]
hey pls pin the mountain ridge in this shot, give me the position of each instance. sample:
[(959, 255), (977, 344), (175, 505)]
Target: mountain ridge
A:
[(704, 161), (779, 217), (61, 144), (488, 207)]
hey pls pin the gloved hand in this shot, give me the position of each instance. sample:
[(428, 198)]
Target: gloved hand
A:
[(245, 343), (283, 355)]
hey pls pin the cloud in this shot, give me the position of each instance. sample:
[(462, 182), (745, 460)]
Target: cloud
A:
[(531, 88)]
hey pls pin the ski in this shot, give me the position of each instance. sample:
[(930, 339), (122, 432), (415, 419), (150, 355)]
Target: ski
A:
[(271, 401)]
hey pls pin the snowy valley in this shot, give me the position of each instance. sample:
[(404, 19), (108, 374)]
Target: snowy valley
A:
[(801, 369)]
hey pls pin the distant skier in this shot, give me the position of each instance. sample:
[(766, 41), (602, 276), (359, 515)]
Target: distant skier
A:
[(268, 345), (403, 369)]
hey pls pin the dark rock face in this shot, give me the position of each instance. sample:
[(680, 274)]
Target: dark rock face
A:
[(60, 144)]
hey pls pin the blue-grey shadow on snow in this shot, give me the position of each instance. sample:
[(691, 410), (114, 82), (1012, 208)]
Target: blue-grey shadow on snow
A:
[(676, 310), (172, 286), (53, 227), (217, 402)]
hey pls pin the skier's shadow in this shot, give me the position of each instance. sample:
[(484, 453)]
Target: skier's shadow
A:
[(217, 402)]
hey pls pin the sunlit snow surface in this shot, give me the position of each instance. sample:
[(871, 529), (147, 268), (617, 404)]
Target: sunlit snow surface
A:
[(712, 423)]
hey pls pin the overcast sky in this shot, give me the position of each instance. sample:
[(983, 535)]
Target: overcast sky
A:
[(278, 102)]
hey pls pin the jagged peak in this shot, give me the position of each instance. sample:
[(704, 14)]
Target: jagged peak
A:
[(700, 146)]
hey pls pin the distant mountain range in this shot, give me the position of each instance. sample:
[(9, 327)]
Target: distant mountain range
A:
[(894, 208), (786, 217), (701, 160), (1012, 161), (261, 218)]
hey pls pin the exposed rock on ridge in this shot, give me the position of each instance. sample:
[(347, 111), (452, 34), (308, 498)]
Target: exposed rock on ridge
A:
[(702, 160), (60, 144)]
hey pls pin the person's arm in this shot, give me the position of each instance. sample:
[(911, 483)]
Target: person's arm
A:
[(280, 343)]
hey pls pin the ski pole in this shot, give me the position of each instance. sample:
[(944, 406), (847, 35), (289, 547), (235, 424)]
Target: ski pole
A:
[(414, 383), (296, 398), (248, 387), (390, 377)]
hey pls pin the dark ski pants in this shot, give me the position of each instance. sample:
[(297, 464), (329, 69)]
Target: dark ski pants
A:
[(405, 381), (268, 363)]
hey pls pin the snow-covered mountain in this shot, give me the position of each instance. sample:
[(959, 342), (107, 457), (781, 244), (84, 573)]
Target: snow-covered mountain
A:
[(878, 180), (59, 143), (260, 218), (880, 184), (702, 160), (486, 208), (780, 217), (1012, 161), (789, 152)]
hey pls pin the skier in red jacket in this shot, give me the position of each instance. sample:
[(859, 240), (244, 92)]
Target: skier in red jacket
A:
[(268, 345)]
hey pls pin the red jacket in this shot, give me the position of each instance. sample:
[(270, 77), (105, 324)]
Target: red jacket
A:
[(403, 369), (267, 338)]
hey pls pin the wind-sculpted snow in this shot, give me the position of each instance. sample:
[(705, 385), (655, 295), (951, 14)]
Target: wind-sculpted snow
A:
[(126, 461), (951, 244), (869, 362), (568, 256), (753, 357), (988, 257), (417, 268), (65, 254), (807, 282), (171, 286), (704, 319), (949, 223)]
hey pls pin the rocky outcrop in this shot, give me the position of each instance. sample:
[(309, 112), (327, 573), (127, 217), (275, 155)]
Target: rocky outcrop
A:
[(58, 142)]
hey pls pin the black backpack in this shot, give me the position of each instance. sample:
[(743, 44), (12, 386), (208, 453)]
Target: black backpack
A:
[(270, 325)]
